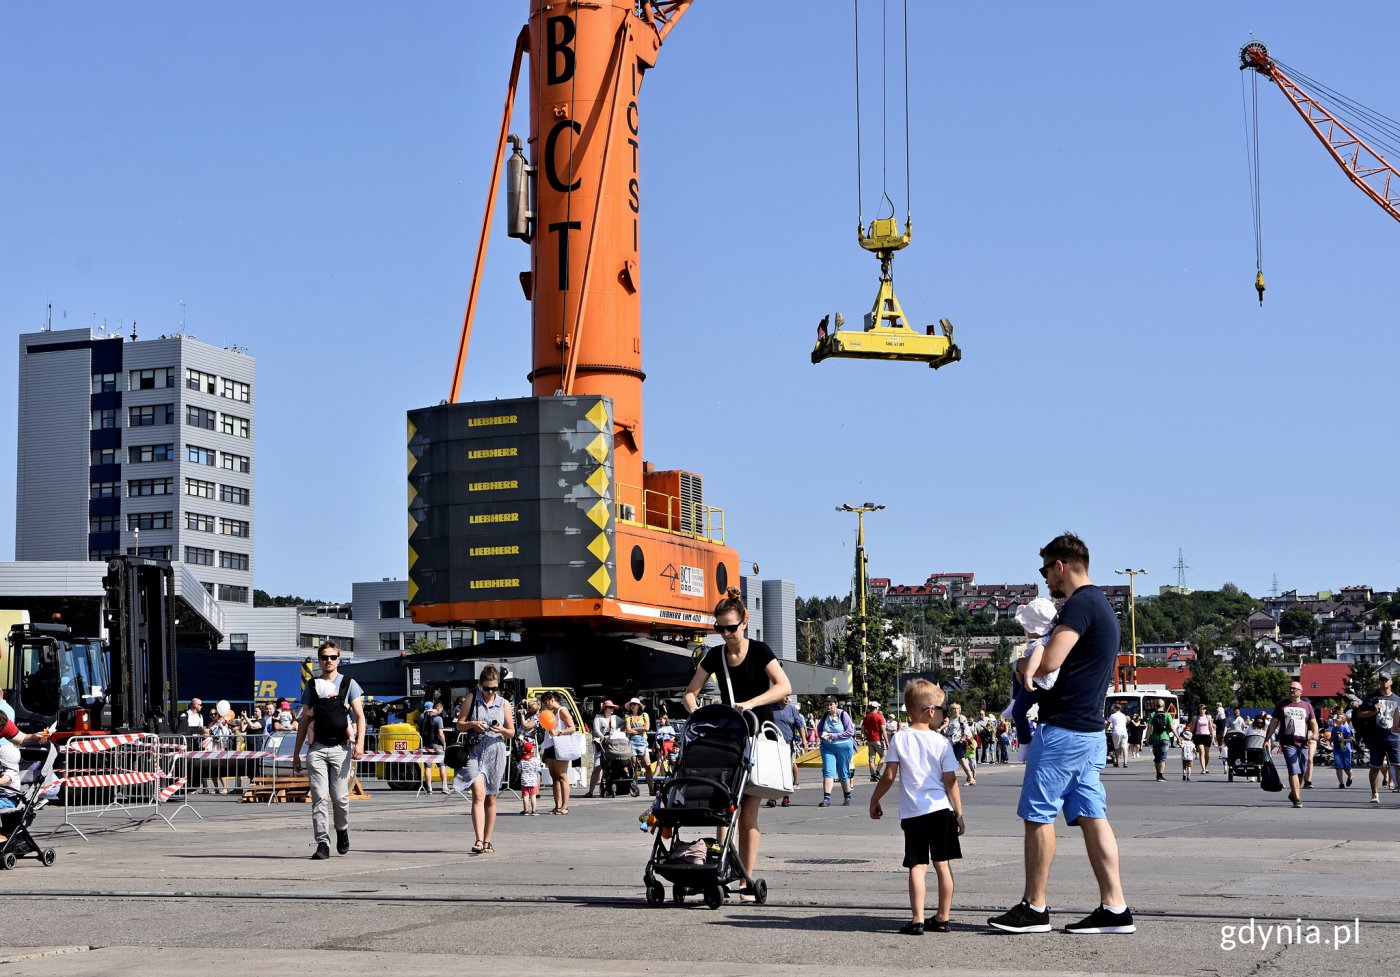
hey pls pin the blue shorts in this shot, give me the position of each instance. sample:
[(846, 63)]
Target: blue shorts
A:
[(1295, 759), (1062, 771), (1341, 759), (1381, 750), (639, 744), (836, 760)]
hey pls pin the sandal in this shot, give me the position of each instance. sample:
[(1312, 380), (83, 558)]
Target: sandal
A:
[(479, 847), (563, 810), (487, 849)]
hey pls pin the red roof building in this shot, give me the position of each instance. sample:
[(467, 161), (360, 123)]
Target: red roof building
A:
[(1173, 678), (1324, 681)]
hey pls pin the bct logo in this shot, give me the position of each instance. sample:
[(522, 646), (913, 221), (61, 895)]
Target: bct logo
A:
[(693, 581)]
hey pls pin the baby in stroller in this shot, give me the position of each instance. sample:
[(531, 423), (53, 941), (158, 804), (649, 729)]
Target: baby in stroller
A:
[(22, 796)]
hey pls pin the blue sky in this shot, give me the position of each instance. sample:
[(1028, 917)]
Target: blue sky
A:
[(309, 179)]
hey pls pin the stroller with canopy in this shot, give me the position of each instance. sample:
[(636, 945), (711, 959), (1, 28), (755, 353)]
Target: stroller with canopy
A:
[(1245, 754), (619, 768), (705, 792), (36, 781)]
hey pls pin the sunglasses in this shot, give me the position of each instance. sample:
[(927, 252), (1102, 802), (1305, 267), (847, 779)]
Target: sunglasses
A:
[(489, 688), (330, 658), (1045, 570), (728, 628)]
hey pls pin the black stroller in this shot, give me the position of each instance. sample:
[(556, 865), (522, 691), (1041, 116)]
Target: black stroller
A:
[(619, 768), (705, 793), (35, 781), (1244, 754)]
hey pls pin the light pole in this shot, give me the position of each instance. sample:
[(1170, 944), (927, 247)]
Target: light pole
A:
[(860, 511), (1132, 617)]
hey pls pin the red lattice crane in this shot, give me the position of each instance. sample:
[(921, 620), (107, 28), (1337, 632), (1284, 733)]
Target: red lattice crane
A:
[(1359, 159)]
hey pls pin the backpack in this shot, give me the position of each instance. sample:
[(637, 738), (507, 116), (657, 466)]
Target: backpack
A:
[(1161, 724), (427, 729), (332, 716)]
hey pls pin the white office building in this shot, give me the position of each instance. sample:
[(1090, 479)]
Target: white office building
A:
[(137, 447)]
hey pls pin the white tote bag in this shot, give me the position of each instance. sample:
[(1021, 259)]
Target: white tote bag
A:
[(771, 776)]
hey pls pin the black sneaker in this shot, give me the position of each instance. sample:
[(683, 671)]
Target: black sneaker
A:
[(912, 929), (1307, 785), (1021, 918), (1103, 921), (323, 851), (342, 841), (1161, 776)]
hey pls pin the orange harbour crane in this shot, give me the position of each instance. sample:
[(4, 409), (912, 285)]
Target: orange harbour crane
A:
[(539, 514), (1351, 142)]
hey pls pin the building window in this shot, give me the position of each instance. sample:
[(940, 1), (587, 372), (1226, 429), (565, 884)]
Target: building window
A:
[(152, 379), (149, 552), (233, 527), (234, 390), (149, 486), (234, 494), (201, 556), (199, 456), (104, 383), (102, 556), (199, 417), (233, 424), (238, 641), (209, 587), (392, 609), (233, 561), (148, 520), (229, 592), (199, 521), (139, 453), (105, 490), (104, 419), (102, 524), (235, 463), (389, 641), (197, 380), (199, 489), (151, 415), (104, 456)]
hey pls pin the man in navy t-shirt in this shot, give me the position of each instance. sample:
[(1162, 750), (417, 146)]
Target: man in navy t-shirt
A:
[(1069, 750)]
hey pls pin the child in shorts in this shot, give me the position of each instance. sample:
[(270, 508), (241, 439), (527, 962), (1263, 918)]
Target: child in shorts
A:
[(529, 779), (930, 807), (1037, 620), (1188, 750)]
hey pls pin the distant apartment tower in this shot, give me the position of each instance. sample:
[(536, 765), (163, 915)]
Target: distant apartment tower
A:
[(139, 447)]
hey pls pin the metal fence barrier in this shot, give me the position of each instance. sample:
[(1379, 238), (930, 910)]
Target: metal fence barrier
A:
[(110, 776)]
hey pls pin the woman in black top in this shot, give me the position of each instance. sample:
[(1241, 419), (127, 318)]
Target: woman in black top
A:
[(758, 683)]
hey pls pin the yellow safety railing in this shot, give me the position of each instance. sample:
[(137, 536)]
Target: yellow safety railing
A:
[(667, 513)]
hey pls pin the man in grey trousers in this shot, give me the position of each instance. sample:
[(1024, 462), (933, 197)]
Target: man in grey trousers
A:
[(333, 717)]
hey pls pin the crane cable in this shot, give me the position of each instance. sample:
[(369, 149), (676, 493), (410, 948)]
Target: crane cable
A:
[(1251, 140), (884, 117)]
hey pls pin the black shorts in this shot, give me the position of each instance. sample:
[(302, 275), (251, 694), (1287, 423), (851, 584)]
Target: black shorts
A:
[(959, 751), (1201, 739), (547, 753), (931, 838)]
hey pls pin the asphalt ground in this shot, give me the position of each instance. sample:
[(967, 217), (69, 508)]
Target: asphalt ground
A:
[(563, 895)]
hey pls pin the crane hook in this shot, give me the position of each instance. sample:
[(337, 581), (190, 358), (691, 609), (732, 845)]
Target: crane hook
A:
[(1259, 287)]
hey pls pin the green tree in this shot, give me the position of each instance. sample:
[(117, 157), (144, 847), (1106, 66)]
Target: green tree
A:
[(1298, 620), (423, 644), (261, 598), (1262, 687), (1387, 640), (1210, 682)]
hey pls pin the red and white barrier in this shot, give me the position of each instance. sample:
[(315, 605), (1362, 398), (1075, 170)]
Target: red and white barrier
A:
[(112, 777)]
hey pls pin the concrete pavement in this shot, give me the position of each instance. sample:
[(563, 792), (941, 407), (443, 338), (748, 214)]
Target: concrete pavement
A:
[(564, 894)]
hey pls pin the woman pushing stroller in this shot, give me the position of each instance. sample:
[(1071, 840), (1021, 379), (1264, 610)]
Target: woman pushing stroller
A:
[(749, 679)]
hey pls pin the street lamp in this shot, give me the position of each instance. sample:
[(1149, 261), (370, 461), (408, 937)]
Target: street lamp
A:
[(1132, 615), (860, 511)]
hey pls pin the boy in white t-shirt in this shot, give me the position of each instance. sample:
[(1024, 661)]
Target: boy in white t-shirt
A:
[(930, 807)]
